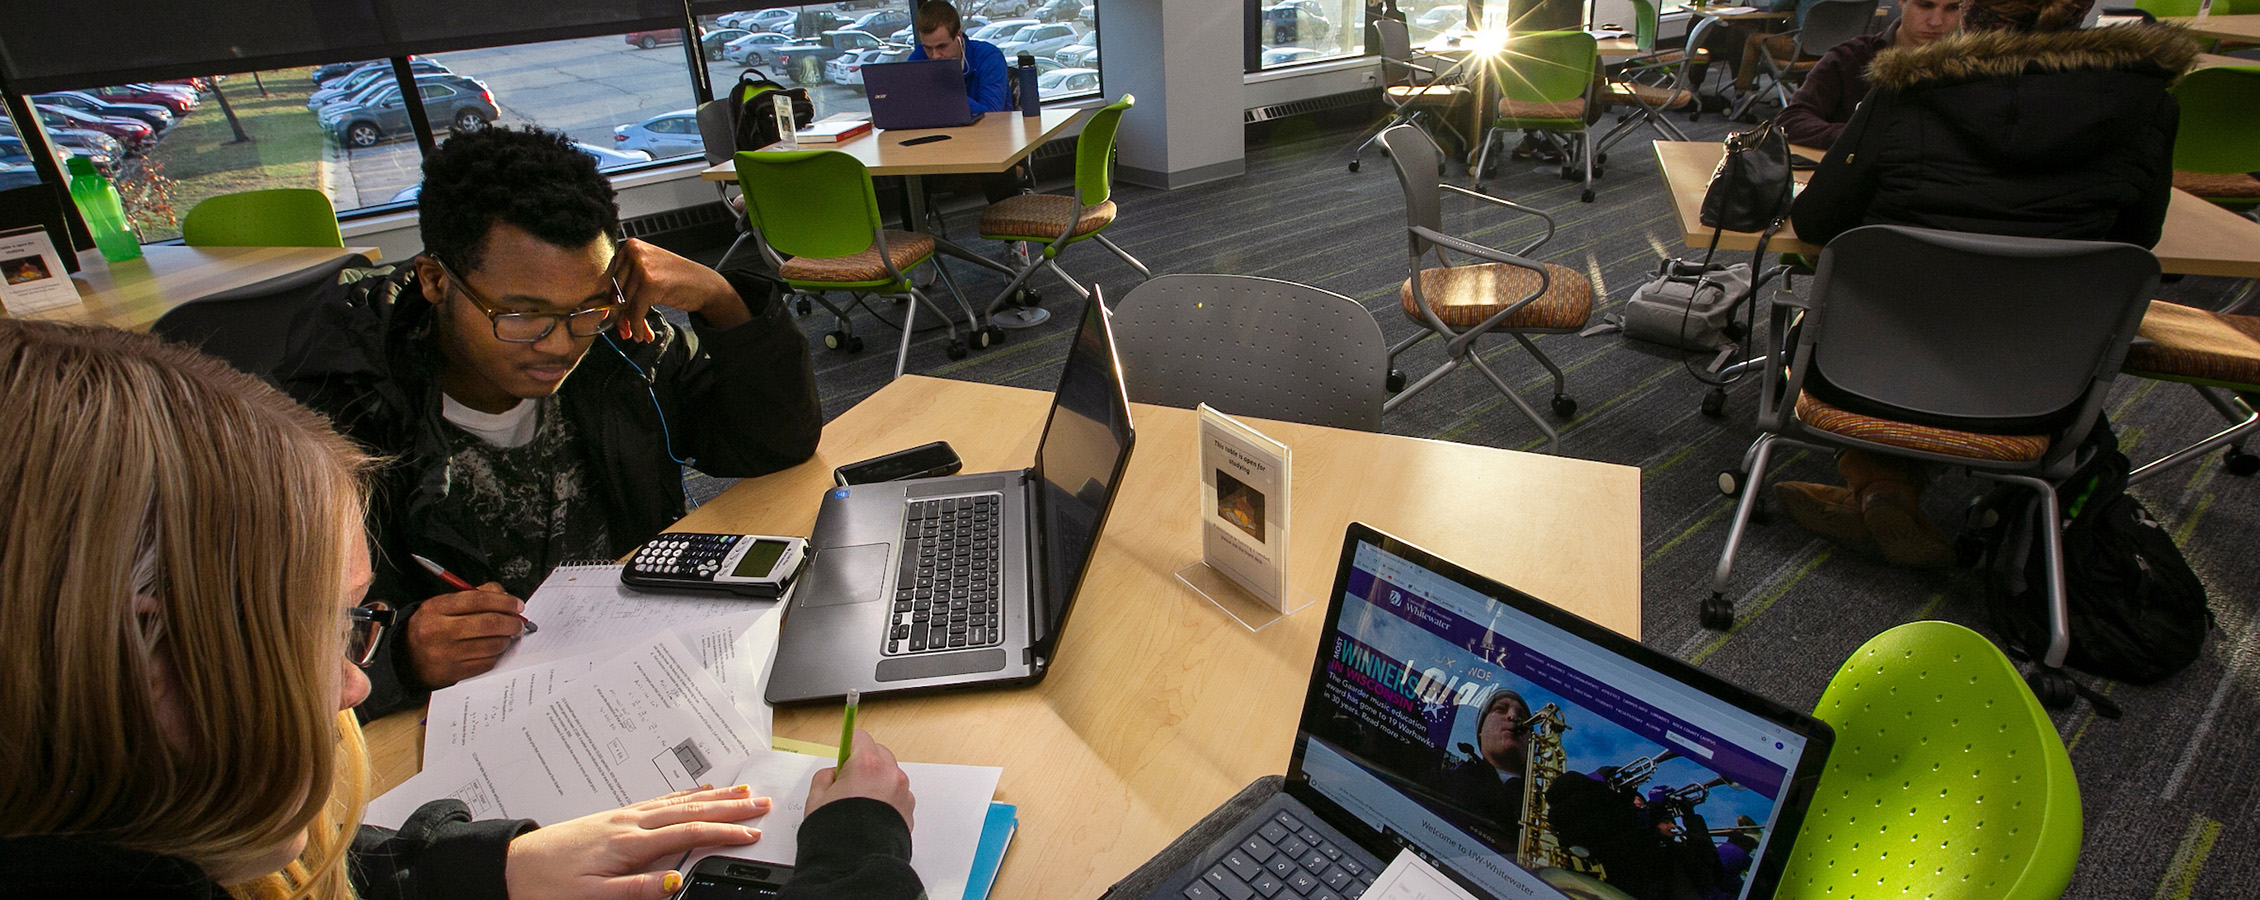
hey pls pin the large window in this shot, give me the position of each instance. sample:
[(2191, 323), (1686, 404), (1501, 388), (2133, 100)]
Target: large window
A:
[(824, 47), (1293, 32)]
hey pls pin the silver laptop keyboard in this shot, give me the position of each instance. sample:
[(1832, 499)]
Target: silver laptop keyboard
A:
[(1284, 859), (950, 577)]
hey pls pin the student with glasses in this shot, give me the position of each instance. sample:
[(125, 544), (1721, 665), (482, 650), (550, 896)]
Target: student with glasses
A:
[(530, 403), (183, 562)]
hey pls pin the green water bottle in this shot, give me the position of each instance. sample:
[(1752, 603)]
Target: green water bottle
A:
[(105, 216)]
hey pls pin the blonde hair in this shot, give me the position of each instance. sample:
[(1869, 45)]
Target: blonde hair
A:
[(165, 519)]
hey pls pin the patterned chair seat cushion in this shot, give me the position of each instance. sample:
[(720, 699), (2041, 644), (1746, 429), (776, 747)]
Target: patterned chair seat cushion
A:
[(906, 248), (1649, 95), (1427, 95), (2230, 185), (1463, 296), (2186, 344), (1526, 109), (1820, 416), (1041, 217)]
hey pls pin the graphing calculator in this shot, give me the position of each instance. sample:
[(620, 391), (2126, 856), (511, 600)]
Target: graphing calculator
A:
[(755, 565)]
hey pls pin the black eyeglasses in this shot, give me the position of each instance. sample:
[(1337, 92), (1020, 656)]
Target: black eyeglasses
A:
[(364, 629), (529, 328)]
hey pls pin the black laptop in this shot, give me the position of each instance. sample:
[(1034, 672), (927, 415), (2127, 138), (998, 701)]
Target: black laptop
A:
[(924, 93), (1520, 749), (962, 580)]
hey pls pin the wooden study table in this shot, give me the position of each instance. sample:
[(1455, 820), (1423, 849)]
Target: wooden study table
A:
[(1160, 707), (2244, 29), (2211, 60), (135, 293), (2198, 239)]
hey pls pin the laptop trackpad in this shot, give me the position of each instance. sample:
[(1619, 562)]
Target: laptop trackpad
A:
[(904, 669), (842, 575)]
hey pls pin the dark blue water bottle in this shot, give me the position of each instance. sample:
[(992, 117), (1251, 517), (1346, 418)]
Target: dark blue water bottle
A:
[(1030, 104)]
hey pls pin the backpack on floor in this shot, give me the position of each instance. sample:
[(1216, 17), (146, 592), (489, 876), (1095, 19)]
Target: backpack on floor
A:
[(751, 120), (1688, 305), (2138, 612)]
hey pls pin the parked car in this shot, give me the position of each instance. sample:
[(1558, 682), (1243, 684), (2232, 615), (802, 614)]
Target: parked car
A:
[(1287, 56), (1041, 40), (833, 44), (1058, 11), (761, 20), (1003, 7), (662, 136), (999, 30), (848, 70), (605, 159), (463, 103), (1290, 23), (134, 134), (359, 80), (158, 118), (16, 175), (328, 72), (1437, 21), (1066, 82), (965, 25), (756, 49), (76, 140), (711, 45), (648, 39), (179, 98), (13, 152), (812, 23), (1078, 56), (881, 21)]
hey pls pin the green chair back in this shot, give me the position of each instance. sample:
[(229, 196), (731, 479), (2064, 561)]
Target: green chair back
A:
[(813, 203), (1547, 67), (1094, 153), (1644, 25), (1947, 779), (2220, 124), (2164, 8), (282, 217)]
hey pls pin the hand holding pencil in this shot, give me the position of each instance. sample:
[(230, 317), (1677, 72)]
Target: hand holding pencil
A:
[(454, 636), (870, 771)]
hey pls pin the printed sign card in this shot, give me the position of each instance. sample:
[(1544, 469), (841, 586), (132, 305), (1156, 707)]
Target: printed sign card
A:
[(1244, 516), (32, 277)]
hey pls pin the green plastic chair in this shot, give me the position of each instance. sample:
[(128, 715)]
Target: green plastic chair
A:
[(1543, 80), (282, 217), (1058, 220), (1947, 780), (817, 221), (2218, 143)]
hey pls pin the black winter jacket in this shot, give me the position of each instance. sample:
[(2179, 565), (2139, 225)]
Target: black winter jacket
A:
[(2056, 135), (736, 403)]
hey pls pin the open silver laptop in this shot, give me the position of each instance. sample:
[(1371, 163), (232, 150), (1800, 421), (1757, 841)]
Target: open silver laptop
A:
[(962, 580)]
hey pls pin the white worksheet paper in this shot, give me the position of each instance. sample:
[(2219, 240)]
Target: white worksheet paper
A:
[(583, 608), (736, 649), (646, 723), (953, 801), (1411, 878)]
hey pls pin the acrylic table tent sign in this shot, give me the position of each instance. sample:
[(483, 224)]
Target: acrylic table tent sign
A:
[(1244, 516), (32, 276)]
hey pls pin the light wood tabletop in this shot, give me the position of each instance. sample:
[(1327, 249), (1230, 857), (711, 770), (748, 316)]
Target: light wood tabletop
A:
[(134, 293), (2242, 29), (2199, 238), (2211, 60), (1159, 706), (993, 144)]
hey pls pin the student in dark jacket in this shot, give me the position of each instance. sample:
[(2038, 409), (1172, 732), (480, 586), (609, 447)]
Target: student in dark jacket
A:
[(2019, 125), (176, 723), (531, 406), (1837, 83)]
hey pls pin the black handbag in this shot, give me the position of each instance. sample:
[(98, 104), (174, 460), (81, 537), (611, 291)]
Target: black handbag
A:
[(1750, 189)]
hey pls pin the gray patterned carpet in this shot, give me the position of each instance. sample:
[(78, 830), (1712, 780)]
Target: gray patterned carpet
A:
[(2168, 791)]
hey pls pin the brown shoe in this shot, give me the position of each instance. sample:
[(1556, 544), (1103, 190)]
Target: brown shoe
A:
[(1900, 527), (1823, 509)]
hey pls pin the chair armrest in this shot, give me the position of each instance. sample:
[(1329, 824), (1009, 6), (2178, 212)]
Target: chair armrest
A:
[(1502, 201), (1476, 250)]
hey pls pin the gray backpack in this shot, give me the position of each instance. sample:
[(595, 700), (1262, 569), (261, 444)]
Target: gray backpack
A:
[(1688, 306)]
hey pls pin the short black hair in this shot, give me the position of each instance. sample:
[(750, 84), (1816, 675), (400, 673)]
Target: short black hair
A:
[(530, 178)]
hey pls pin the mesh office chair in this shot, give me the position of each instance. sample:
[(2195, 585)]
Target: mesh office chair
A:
[(2217, 145), (2006, 346), (1253, 346), (1947, 780), (816, 220), (281, 217), (1411, 90), (1825, 25), (1504, 293), (1545, 84), (1057, 220), (249, 326)]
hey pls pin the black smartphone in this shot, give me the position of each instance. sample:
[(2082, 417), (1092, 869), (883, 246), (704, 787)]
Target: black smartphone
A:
[(917, 462), (723, 878)]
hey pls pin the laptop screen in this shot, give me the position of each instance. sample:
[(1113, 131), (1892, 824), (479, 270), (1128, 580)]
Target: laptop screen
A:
[(1079, 464), (1532, 753)]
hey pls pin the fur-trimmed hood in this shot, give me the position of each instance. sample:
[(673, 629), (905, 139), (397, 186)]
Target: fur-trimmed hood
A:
[(2163, 49), (2037, 101)]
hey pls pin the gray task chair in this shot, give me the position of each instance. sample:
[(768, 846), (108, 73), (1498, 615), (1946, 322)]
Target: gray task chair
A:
[(1411, 90), (1827, 24), (1253, 346), (1990, 354), (1500, 292), (249, 326)]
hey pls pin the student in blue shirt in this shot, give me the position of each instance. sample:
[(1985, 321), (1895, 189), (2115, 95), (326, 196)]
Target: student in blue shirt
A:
[(940, 37)]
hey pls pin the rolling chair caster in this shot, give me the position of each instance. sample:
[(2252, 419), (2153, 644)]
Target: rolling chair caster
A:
[(1717, 613), (1565, 406), (843, 342), (1586, 197), (1732, 481), (1395, 383), (1714, 403), (1353, 165), (802, 307), (955, 350), (2052, 687), (2241, 463), (990, 337)]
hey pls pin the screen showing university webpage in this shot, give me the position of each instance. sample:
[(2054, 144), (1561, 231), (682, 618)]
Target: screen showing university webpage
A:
[(1528, 760)]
